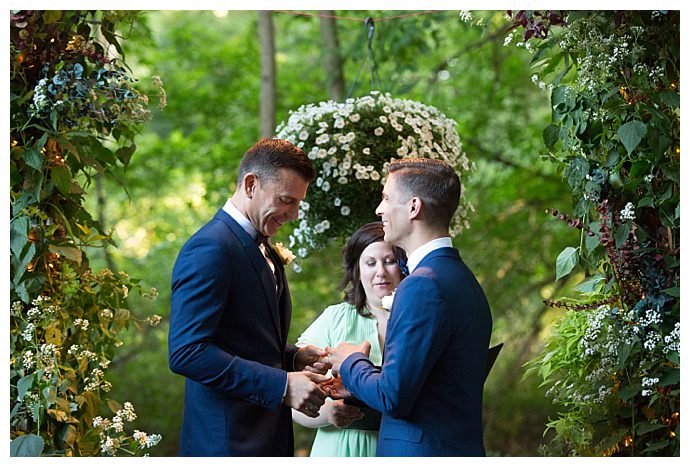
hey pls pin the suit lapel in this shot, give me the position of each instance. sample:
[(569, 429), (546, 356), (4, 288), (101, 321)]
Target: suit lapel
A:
[(263, 271)]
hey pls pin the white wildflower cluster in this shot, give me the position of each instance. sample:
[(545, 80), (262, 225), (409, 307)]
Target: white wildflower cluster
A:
[(542, 85), (154, 320), (113, 435), (651, 341), (28, 332), (351, 145), (602, 55), (82, 323), (146, 441), (650, 318), (672, 340), (106, 313), (95, 381), (649, 178), (628, 212), (648, 384), (40, 99), (465, 16)]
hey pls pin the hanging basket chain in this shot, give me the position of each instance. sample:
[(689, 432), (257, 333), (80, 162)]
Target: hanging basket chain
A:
[(374, 78)]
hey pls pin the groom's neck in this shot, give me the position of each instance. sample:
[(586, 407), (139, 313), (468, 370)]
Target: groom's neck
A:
[(420, 236)]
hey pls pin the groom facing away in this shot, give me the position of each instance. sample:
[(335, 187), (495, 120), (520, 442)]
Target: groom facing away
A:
[(429, 388), (230, 314)]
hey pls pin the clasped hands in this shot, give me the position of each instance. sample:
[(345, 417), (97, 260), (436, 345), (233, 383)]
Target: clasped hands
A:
[(309, 385)]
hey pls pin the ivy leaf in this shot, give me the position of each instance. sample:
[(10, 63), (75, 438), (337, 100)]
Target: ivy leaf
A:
[(590, 284), (70, 252), (622, 233), (623, 353), (566, 261), (670, 377), (33, 159), (670, 98), (629, 391), (62, 177), (631, 134), (24, 385), (647, 427), (550, 136), (26, 446), (19, 229)]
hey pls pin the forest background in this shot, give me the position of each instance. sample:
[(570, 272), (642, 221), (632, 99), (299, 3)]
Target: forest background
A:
[(185, 165), (187, 155)]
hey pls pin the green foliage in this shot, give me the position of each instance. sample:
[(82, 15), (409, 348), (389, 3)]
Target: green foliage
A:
[(186, 160), (615, 132), (74, 114)]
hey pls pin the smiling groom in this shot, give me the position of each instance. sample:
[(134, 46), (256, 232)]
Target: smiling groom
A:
[(230, 315), (430, 385)]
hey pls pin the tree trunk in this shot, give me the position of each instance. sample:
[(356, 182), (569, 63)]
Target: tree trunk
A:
[(332, 59), (267, 112)]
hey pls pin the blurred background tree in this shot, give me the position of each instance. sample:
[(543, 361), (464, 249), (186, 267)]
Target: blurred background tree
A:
[(187, 156)]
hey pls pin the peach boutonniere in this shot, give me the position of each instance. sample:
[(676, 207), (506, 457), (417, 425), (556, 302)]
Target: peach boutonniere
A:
[(286, 256)]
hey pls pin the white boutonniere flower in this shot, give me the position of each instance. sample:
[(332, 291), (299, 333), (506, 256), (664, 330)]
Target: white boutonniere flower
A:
[(387, 302), (286, 256)]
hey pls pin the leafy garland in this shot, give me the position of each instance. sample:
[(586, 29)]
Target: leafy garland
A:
[(73, 115), (613, 361), (351, 145)]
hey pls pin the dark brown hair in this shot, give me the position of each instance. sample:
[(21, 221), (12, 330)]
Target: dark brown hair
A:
[(434, 182), (269, 155), (351, 283)]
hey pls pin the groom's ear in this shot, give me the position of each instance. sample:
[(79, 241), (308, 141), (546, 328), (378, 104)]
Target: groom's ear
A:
[(249, 184), (415, 207)]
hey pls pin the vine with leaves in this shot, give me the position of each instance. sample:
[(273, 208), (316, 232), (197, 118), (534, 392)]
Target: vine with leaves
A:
[(612, 363), (74, 113)]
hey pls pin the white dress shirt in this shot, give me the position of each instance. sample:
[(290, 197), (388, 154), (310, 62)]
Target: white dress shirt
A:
[(420, 253)]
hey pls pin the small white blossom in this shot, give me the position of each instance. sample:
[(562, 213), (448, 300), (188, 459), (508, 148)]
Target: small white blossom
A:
[(628, 212)]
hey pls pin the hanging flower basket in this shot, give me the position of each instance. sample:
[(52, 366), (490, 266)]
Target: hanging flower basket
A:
[(351, 145)]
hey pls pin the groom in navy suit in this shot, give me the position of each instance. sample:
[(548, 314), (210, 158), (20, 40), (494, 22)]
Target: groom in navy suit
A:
[(230, 314), (430, 386)]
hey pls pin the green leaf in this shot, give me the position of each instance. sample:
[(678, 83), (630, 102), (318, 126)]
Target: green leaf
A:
[(673, 291), (631, 134), (50, 394), (647, 427), (670, 98), (33, 159), (623, 353), (19, 234), (622, 233), (114, 405), (672, 376), (588, 285), (566, 261), (629, 391), (69, 435), (52, 16), (550, 136), (24, 384), (62, 177), (70, 252), (26, 446), (656, 446), (591, 242)]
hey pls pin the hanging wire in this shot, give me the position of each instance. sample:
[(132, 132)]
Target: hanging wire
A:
[(374, 78), (350, 18)]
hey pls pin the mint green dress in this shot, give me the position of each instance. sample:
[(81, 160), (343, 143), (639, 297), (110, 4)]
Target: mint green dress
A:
[(341, 323)]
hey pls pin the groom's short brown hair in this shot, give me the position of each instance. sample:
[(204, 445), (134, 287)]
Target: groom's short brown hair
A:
[(434, 182), (268, 155)]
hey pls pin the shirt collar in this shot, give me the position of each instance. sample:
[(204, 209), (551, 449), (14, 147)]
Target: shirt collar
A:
[(420, 253), (240, 218)]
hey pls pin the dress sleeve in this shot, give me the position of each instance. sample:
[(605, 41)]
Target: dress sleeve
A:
[(319, 333)]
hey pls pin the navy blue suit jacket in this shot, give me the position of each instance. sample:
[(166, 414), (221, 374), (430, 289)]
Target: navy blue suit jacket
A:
[(228, 333), (430, 385)]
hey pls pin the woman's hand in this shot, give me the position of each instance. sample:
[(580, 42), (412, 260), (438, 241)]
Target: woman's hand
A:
[(340, 414)]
